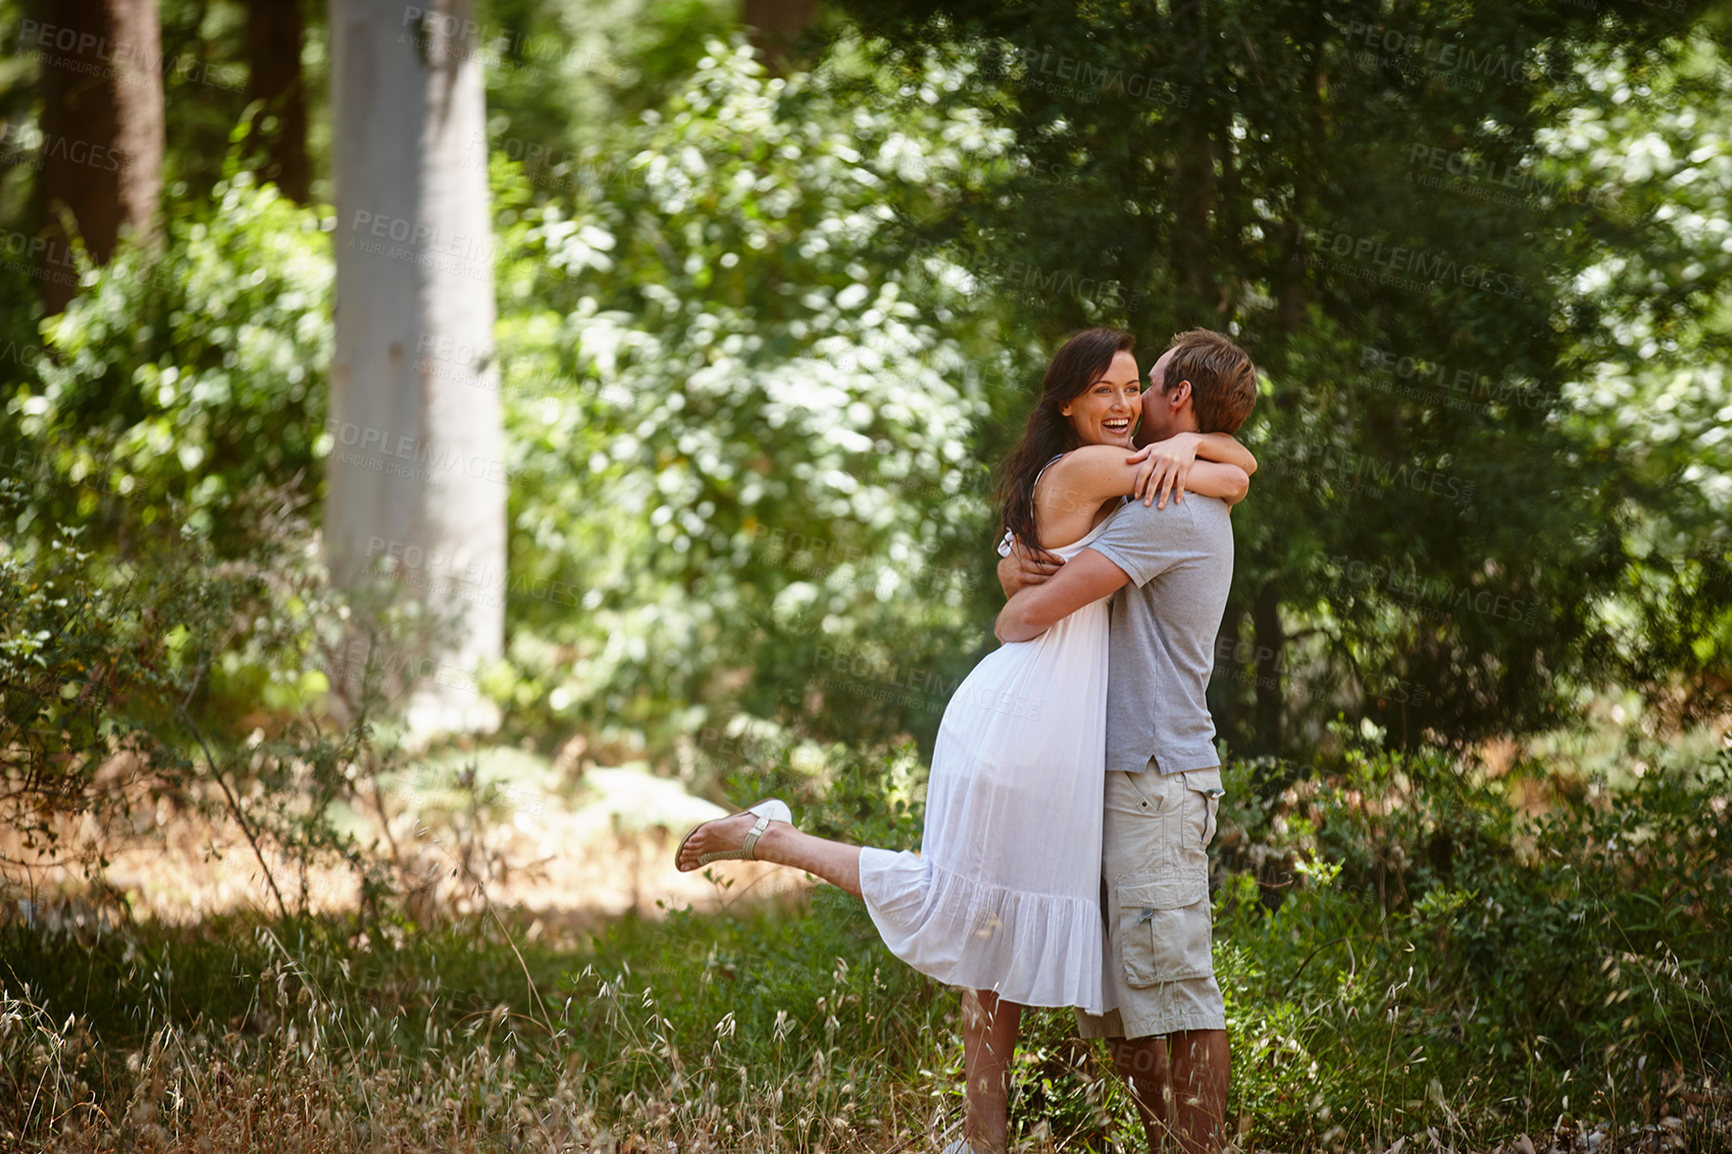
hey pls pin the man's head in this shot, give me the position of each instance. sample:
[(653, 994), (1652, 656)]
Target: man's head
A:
[(1203, 383)]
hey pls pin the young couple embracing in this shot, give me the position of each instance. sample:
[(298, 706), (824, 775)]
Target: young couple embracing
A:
[(1064, 861)]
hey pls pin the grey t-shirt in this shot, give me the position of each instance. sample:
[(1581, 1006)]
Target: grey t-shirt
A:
[(1164, 622)]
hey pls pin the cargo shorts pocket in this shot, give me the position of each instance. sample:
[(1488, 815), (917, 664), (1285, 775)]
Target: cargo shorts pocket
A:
[(1164, 930), (1205, 785)]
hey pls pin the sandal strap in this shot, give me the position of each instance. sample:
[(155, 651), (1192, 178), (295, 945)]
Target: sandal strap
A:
[(746, 847), (767, 811)]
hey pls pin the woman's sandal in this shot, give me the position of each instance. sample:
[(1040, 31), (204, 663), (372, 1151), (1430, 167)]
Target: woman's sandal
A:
[(768, 811)]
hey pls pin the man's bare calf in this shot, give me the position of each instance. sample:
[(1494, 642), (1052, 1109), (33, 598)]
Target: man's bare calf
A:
[(1179, 1085)]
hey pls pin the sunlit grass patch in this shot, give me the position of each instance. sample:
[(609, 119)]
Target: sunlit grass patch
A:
[(1438, 963)]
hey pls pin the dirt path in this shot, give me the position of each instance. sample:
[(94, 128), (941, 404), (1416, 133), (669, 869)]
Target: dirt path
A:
[(561, 864)]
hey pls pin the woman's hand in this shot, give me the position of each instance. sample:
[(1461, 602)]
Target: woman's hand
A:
[(1024, 567), (1166, 467)]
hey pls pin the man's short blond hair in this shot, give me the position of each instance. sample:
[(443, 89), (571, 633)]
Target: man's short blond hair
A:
[(1223, 379)]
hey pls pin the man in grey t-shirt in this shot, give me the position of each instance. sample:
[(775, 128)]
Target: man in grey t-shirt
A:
[(1167, 569)]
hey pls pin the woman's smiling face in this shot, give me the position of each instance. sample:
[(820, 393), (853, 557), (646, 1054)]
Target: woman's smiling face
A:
[(1106, 412)]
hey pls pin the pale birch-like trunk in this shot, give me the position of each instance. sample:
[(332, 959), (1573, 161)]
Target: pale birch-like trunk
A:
[(416, 477)]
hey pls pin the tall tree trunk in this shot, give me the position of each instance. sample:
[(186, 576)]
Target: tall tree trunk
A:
[(775, 26), (279, 129), (416, 479), (1194, 170), (1271, 647), (103, 132), (1226, 682)]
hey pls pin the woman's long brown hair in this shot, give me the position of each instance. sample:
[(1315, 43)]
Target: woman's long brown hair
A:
[(1078, 364)]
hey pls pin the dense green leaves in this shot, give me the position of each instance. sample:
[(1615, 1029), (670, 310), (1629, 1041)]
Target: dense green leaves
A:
[(1427, 224), (197, 377), (763, 338), (738, 414), (1428, 932)]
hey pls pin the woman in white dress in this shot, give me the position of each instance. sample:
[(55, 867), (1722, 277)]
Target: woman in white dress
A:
[(1003, 898)]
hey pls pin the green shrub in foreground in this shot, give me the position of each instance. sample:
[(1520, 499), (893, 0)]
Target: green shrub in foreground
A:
[(1454, 964)]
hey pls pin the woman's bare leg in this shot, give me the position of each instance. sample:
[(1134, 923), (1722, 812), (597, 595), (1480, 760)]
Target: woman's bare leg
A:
[(836, 862), (989, 1030), (989, 1026)]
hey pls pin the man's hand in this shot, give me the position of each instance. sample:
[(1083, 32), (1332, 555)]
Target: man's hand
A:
[(1025, 567), (1035, 609)]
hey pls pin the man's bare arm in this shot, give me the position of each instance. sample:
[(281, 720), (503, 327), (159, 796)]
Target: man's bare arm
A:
[(1093, 474), (1086, 577)]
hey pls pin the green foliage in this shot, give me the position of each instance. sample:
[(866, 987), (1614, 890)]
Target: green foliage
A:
[(1651, 383), (204, 82), (1428, 225), (196, 377), (563, 76), (736, 415), (169, 680), (1476, 968)]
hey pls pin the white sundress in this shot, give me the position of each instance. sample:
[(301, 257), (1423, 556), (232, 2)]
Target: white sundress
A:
[(1004, 894)]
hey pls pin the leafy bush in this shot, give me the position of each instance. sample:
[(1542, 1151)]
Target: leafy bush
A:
[(170, 678), (1455, 962), (737, 407), (196, 375)]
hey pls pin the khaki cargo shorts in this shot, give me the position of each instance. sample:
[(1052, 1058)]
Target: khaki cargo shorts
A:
[(1155, 884)]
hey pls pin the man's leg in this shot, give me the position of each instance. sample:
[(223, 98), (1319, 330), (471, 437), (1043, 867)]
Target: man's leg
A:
[(989, 1030), (1155, 866), (1179, 1085), (1142, 1064), (836, 862), (1200, 1061)]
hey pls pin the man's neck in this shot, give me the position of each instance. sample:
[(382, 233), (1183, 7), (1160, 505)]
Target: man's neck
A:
[(1144, 439)]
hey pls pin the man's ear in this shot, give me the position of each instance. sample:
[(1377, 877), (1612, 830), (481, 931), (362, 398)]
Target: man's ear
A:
[(1178, 395)]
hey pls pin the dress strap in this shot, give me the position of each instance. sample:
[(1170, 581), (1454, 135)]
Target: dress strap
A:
[(1008, 541), (1042, 473)]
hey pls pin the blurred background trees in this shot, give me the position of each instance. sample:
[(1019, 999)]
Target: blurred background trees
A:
[(774, 284), (1413, 220)]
